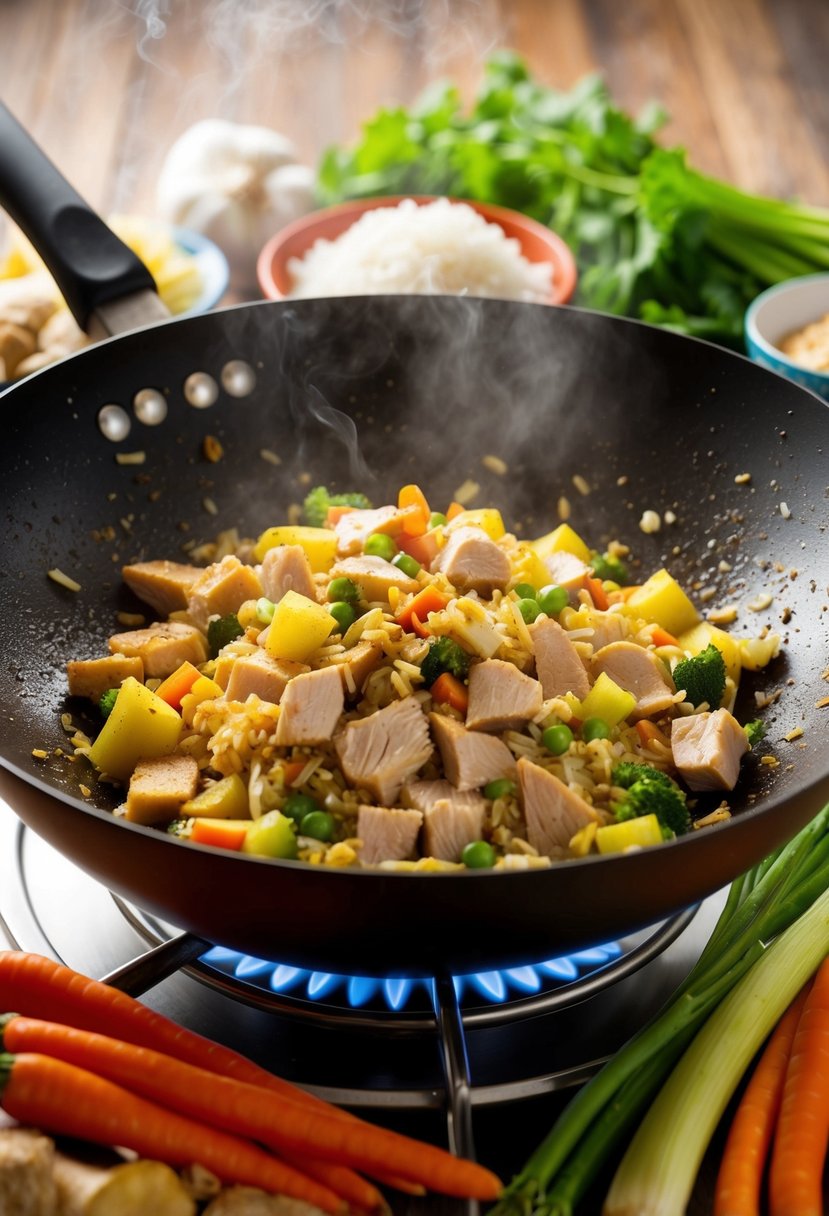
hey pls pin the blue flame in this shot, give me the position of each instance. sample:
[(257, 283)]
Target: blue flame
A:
[(357, 991)]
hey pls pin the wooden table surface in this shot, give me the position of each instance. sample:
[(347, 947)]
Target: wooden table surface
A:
[(106, 85)]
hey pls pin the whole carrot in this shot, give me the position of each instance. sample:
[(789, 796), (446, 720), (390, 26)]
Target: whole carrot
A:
[(249, 1110), (60, 1098), (740, 1176), (802, 1132)]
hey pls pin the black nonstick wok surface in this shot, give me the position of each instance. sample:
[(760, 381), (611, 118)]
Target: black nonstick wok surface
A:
[(372, 393)]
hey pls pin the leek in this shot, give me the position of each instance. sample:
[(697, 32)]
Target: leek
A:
[(761, 905), (657, 1173)]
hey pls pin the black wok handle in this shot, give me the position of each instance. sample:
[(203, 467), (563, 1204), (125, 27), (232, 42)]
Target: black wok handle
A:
[(88, 261)]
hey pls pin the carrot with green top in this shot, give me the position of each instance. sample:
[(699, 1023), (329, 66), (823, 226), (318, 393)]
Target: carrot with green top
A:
[(740, 1176), (65, 1100), (252, 1112), (802, 1133)]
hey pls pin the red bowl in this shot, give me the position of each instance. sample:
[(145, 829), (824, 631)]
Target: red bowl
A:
[(538, 244)]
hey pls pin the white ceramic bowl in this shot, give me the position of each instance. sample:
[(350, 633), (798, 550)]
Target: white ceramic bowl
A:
[(779, 311)]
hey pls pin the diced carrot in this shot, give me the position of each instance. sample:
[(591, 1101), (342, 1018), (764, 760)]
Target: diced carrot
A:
[(450, 691), (223, 833), (454, 509), (426, 601), (661, 637), (422, 631), (597, 593), (648, 733), (422, 548), (417, 522), (335, 514), (292, 769), (178, 684), (624, 593)]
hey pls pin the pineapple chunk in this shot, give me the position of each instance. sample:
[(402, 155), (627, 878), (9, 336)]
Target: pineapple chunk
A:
[(661, 600), (486, 518), (225, 799), (638, 833), (703, 635), (606, 700), (298, 628), (582, 842), (140, 727), (562, 538), (318, 544)]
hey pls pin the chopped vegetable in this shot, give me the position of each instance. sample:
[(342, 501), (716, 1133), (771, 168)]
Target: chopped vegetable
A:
[(444, 655), (595, 728), (271, 836), (530, 609), (501, 787), (343, 590), (379, 544), (317, 824), (107, 701), (478, 855), (343, 613), (406, 563), (702, 677), (784, 897), (425, 601), (178, 684), (606, 566), (221, 631), (450, 691), (557, 739), (221, 833), (755, 732), (317, 501), (552, 599), (649, 791)]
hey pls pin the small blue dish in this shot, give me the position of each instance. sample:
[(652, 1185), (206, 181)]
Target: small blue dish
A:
[(212, 265), (778, 312)]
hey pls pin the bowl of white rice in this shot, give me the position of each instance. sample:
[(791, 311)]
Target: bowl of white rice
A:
[(417, 245)]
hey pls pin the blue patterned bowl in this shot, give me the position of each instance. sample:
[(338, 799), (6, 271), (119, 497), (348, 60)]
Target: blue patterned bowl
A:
[(779, 311)]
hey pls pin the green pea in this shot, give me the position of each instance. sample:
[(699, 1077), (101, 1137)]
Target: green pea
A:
[(478, 855), (525, 591), (438, 520), (557, 739), (297, 806), (343, 589), (319, 825), (265, 609), (500, 788), (552, 599), (529, 609), (595, 728), (271, 836), (342, 613), (380, 545), (407, 564)]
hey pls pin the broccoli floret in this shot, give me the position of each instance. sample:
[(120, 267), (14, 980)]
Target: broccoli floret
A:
[(605, 566), (444, 655), (649, 791), (107, 701), (702, 677), (222, 630), (317, 502), (755, 731)]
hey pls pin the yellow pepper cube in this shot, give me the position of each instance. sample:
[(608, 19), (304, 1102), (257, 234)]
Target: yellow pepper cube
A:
[(140, 727), (529, 568), (488, 519), (299, 627), (225, 799), (640, 833), (606, 700), (319, 544), (561, 539), (661, 600), (204, 689), (703, 635)]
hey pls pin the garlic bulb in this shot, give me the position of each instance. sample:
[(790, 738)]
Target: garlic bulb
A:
[(237, 185)]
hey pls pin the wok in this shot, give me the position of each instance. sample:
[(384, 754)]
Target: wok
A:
[(372, 393)]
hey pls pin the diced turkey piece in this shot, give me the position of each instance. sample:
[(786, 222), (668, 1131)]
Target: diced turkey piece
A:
[(260, 674), (222, 589), (471, 759), (501, 697), (388, 834), (310, 708), (374, 576), (159, 788), (707, 749), (473, 562), (357, 665), (638, 671), (449, 828), (165, 586), (554, 813), (92, 677), (423, 795), (567, 571), (380, 752), (286, 568), (608, 627), (162, 647), (354, 527), (557, 662)]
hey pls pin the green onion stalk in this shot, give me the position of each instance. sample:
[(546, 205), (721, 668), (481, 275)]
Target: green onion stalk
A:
[(784, 897)]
